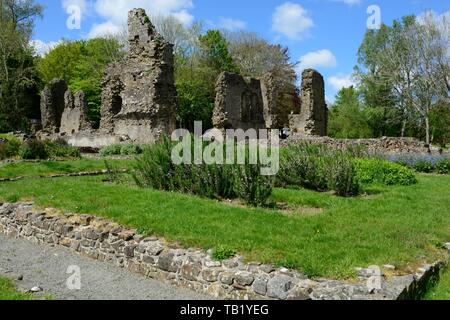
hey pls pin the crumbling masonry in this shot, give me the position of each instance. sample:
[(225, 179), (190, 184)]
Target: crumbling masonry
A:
[(313, 118), (139, 95)]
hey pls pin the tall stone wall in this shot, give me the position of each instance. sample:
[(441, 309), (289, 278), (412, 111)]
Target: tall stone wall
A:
[(139, 95), (313, 117), (74, 118), (52, 105), (239, 103)]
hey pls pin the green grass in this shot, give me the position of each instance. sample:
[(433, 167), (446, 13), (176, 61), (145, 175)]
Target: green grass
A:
[(442, 290), (394, 225), (46, 168), (9, 292)]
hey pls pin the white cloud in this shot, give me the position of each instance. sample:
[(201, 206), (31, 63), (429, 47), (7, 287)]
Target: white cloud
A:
[(350, 2), (42, 48), (341, 81), (316, 59), (184, 17), (115, 12), (291, 20), (232, 24), (104, 29)]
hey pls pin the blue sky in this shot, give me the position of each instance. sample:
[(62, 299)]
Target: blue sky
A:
[(324, 34)]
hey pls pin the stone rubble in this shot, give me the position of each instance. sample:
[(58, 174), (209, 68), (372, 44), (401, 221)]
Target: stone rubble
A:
[(194, 269)]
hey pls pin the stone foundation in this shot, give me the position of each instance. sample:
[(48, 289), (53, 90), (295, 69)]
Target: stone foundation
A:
[(153, 257), (383, 146)]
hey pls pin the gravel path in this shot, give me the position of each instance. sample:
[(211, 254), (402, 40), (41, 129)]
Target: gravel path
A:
[(46, 267)]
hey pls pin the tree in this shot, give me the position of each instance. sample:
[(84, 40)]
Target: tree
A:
[(215, 52), (409, 62), (255, 57), (81, 64), (18, 86), (347, 118)]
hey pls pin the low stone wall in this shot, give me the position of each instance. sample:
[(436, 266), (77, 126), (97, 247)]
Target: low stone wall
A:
[(153, 257), (385, 145)]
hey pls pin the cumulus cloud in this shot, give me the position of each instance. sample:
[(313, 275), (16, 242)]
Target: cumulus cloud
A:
[(42, 48), (115, 12), (292, 21), (317, 59), (232, 24), (104, 29), (341, 81)]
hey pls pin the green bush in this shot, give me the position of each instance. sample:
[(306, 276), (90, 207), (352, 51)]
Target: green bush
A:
[(319, 168), (424, 166), (9, 149), (155, 169), (130, 150), (33, 150), (60, 149), (342, 175), (112, 150), (121, 149), (383, 172), (443, 166)]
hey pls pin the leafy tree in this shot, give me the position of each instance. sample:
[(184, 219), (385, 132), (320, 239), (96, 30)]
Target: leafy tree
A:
[(18, 86), (215, 52), (405, 69), (440, 123), (347, 118), (81, 64)]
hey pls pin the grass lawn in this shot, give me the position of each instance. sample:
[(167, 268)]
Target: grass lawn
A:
[(8, 292), (442, 289), (393, 225), (46, 168)]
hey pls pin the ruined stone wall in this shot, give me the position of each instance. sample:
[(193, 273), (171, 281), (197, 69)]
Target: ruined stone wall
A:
[(52, 105), (139, 95), (239, 103), (313, 117), (74, 118), (154, 257), (382, 146)]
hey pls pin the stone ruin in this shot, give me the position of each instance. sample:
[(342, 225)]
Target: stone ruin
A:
[(239, 103), (244, 103), (52, 105), (313, 117), (138, 95), (74, 118), (62, 112)]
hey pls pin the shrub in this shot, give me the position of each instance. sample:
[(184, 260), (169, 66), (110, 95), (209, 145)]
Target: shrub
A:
[(121, 149), (342, 175), (130, 149), (380, 171), (9, 149), (424, 166), (112, 150), (443, 166), (33, 150), (60, 149), (155, 169), (319, 168), (251, 186)]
